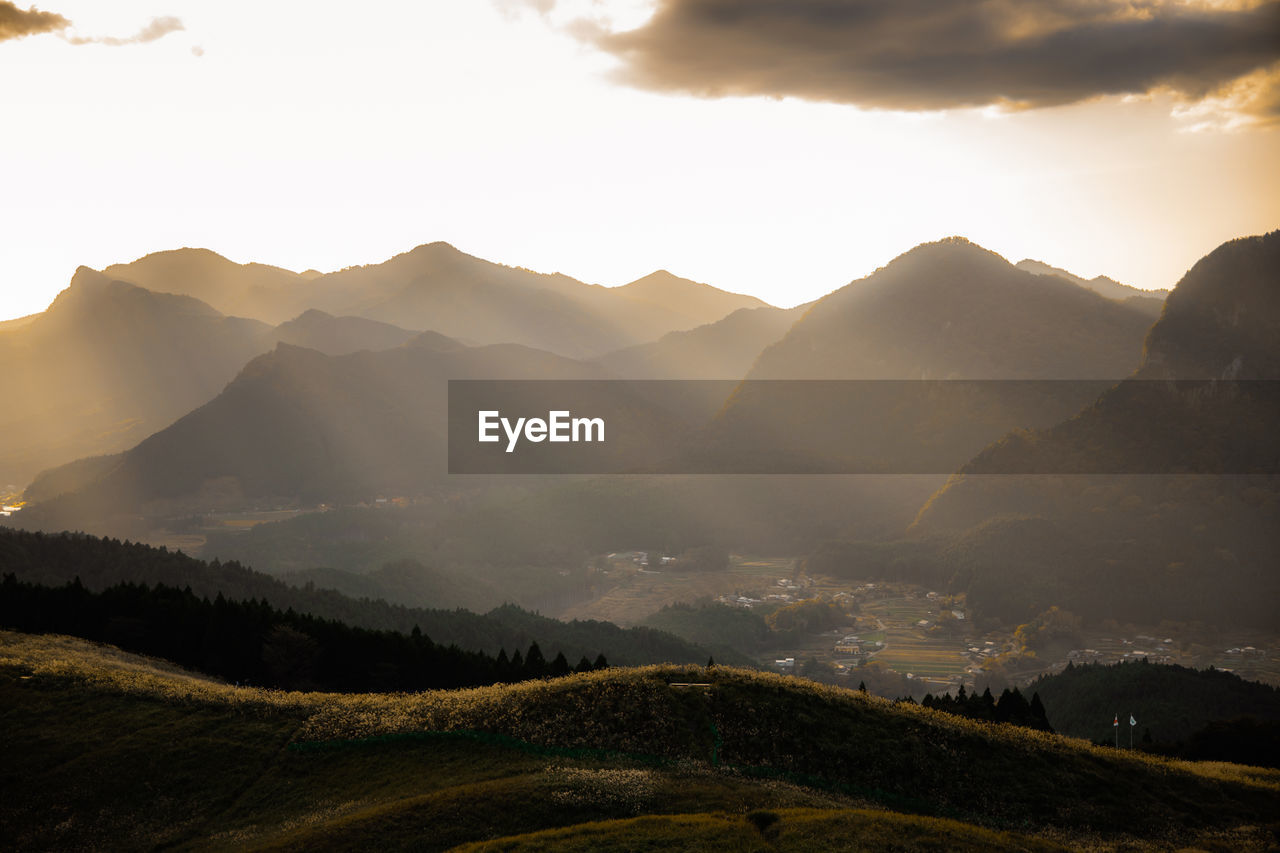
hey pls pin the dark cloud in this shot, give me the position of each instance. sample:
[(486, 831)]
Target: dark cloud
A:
[(940, 54), (15, 23)]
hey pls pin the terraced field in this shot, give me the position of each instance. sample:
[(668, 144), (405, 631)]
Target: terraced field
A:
[(641, 593), (908, 649)]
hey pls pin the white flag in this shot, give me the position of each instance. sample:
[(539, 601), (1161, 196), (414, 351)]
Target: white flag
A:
[(1132, 721)]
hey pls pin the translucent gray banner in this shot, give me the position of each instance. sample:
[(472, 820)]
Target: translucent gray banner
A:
[(863, 427)]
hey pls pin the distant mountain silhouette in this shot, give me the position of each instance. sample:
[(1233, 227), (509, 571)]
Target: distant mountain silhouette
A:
[(437, 287), (948, 310), (691, 303), (1149, 301), (106, 365), (109, 363), (266, 293), (725, 349), (331, 335), (953, 310), (296, 426)]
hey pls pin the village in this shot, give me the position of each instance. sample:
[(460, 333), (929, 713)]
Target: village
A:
[(924, 636)]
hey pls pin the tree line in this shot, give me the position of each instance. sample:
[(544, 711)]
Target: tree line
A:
[(252, 642), (54, 559), (1011, 707)]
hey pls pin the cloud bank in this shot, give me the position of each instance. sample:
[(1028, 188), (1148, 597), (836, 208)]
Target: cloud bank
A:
[(944, 54)]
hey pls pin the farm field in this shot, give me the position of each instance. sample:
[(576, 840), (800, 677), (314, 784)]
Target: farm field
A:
[(640, 593), (908, 649)]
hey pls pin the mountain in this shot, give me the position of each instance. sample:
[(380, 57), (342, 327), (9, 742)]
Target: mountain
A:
[(1222, 321), (437, 287), (332, 335), (943, 311), (1148, 301), (1176, 496), (725, 349), (109, 363), (953, 310), (1201, 401), (296, 425), (106, 365), (266, 293), (690, 303)]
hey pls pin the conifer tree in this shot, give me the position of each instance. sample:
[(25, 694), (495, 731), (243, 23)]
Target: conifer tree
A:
[(559, 666)]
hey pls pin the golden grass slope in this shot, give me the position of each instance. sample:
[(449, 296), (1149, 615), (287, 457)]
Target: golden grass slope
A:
[(308, 771)]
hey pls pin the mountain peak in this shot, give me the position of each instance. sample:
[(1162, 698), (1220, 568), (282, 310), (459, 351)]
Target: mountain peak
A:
[(662, 284), (1223, 318), (953, 248), (312, 315), (91, 288)]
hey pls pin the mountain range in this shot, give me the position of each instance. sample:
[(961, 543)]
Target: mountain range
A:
[(314, 421), (436, 287), (123, 353)]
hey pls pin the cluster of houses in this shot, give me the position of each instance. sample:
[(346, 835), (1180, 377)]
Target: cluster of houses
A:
[(739, 600), (641, 558), (851, 645), (789, 592), (1153, 650)]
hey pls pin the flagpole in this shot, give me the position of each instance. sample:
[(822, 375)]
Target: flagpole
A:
[(1116, 725)]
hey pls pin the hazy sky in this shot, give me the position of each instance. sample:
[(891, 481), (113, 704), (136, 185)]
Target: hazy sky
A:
[(776, 147)]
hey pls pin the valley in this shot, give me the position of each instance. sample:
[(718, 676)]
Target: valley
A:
[(923, 637)]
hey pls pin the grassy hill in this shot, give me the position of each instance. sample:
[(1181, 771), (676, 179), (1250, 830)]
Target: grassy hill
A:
[(105, 749)]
